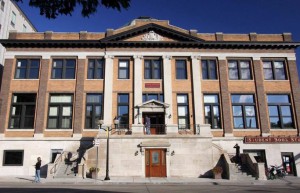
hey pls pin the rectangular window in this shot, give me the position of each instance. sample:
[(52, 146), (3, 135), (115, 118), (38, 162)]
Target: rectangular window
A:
[(280, 111), (181, 70), (151, 96), (123, 69), (96, 69), (94, 103), (13, 157), (274, 70), (123, 110), (183, 111), (22, 111), (13, 19), (152, 69), (2, 5), (63, 69), (212, 110), (209, 69), (239, 70), (27, 69), (60, 111), (244, 111)]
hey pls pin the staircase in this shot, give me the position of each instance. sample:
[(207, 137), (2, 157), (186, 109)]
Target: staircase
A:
[(66, 170), (242, 173)]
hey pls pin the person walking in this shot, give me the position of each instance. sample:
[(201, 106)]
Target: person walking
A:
[(237, 153), (38, 170)]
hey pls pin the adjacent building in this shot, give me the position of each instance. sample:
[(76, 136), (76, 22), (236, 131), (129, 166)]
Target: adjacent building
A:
[(203, 93), (11, 18)]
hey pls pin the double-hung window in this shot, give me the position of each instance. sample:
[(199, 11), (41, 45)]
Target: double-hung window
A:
[(183, 111), (96, 69), (123, 110), (280, 111), (239, 70), (244, 111), (152, 69), (274, 70), (27, 69), (22, 111), (123, 69), (212, 110), (63, 69), (94, 103), (209, 69), (153, 96), (181, 69), (60, 111)]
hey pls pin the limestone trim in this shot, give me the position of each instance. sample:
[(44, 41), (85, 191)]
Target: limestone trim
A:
[(108, 89), (197, 89), (167, 85), (138, 86), (81, 55)]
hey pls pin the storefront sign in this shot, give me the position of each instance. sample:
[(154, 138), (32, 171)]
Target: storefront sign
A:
[(152, 85), (272, 139)]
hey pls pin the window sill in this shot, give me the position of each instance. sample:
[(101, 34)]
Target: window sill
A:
[(122, 79), (62, 79), (210, 80), (49, 129), (238, 80), (284, 129), (250, 129), (16, 129), (26, 79), (276, 80), (95, 79)]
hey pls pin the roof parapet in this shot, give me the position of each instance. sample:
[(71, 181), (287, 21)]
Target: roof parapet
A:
[(219, 36), (287, 37), (253, 36)]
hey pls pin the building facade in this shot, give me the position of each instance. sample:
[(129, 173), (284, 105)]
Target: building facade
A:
[(203, 93), (11, 18)]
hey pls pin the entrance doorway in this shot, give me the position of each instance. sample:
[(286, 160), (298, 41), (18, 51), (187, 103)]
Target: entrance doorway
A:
[(288, 163), (155, 161), (157, 123)]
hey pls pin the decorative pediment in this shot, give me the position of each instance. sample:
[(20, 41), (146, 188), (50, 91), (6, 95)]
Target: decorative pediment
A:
[(153, 104), (151, 33)]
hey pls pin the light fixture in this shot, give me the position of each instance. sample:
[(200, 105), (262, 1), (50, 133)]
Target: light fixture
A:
[(136, 153), (100, 122), (172, 153)]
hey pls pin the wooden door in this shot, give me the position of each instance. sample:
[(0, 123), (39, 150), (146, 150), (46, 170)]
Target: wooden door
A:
[(155, 163)]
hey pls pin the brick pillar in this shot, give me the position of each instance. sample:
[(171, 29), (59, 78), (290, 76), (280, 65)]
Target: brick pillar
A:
[(294, 81), (79, 93), (4, 95), (261, 99), (41, 110), (225, 97)]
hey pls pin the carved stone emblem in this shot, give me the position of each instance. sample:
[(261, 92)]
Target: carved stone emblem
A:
[(152, 36)]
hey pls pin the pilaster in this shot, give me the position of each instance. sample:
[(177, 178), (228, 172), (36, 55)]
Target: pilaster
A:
[(167, 83), (225, 97), (138, 88), (108, 89)]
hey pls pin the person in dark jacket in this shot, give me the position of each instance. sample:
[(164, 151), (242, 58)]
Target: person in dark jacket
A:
[(38, 170), (237, 153)]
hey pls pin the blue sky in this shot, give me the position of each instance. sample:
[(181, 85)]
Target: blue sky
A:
[(207, 16)]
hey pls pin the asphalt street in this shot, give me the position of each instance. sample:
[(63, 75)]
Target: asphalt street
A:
[(147, 188)]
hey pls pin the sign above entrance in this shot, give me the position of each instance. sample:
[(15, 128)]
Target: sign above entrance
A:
[(272, 139), (152, 85)]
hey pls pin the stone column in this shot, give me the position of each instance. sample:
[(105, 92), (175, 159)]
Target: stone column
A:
[(41, 110), (4, 96), (108, 89), (260, 93), (79, 94), (167, 86), (225, 97), (294, 81), (137, 127), (198, 98)]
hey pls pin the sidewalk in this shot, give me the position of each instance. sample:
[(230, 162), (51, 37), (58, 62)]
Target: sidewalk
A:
[(140, 180)]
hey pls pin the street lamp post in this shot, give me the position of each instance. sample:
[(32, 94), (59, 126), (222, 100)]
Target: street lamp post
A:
[(108, 129)]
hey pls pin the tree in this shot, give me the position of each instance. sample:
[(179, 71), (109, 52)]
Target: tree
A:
[(52, 8)]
